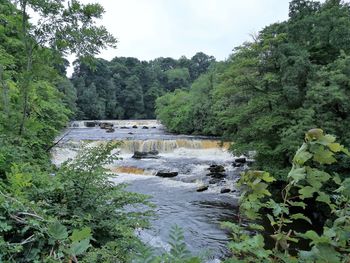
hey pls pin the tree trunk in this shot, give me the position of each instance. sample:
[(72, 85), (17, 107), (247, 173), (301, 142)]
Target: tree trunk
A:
[(28, 71), (5, 92), (25, 90)]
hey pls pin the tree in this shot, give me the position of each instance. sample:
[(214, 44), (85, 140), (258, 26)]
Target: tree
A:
[(65, 26), (133, 98), (177, 78), (200, 63), (94, 107)]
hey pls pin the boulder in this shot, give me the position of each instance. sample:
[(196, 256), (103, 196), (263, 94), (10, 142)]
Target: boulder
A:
[(241, 160), (90, 124), (225, 190), (124, 127), (216, 168), (134, 127), (106, 125), (166, 174), (202, 188), (154, 127), (130, 133), (145, 127), (146, 155), (237, 164), (110, 130)]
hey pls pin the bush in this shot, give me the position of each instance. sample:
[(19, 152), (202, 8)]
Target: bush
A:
[(307, 181), (76, 213)]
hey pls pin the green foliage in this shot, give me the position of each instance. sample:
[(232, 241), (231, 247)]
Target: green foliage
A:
[(306, 181), (126, 88), (75, 214), (190, 111)]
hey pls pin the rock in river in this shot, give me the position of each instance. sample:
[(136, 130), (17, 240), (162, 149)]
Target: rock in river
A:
[(216, 168), (225, 190), (166, 174), (90, 124), (106, 125), (202, 188), (240, 160), (110, 130), (146, 155)]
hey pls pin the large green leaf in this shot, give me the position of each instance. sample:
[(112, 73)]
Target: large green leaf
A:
[(77, 248), (306, 192), (324, 156), (58, 231), (316, 178), (79, 235), (302, 157)]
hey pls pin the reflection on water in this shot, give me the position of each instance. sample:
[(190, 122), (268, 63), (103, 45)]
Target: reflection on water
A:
[(176, 199)]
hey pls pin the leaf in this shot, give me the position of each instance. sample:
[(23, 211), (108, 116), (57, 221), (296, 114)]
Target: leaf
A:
[(299, 204), (272, 220), (326, 139), (58, 231), (277, 208), (301, 216), (337, 179), (268, 178), (302, 157), (79, 235), (256, 227), (310, 234), (297, 174), (77, 248), (335, 147), (322, 197), (306, 192), (316, 178), (324, 157)]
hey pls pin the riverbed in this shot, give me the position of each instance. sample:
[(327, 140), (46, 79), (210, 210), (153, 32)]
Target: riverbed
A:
[(177, 200)]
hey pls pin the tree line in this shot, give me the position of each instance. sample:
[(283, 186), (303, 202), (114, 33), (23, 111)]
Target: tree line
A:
[(126, 88)]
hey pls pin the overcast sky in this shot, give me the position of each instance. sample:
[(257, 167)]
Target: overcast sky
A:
[(148, 29)]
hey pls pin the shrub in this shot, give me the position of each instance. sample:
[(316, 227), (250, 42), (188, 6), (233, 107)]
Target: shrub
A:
[(307, 180)]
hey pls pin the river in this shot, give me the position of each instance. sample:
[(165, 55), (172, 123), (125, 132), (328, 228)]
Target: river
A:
[(177, 200)]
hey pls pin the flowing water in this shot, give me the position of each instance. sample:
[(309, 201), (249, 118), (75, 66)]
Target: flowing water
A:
[(176, 199)]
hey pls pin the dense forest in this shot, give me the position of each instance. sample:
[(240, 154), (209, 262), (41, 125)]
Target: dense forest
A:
[(126, 88), (272, 95)]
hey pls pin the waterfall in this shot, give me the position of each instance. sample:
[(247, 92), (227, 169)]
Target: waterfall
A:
[(164, 146), (116, 123)]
